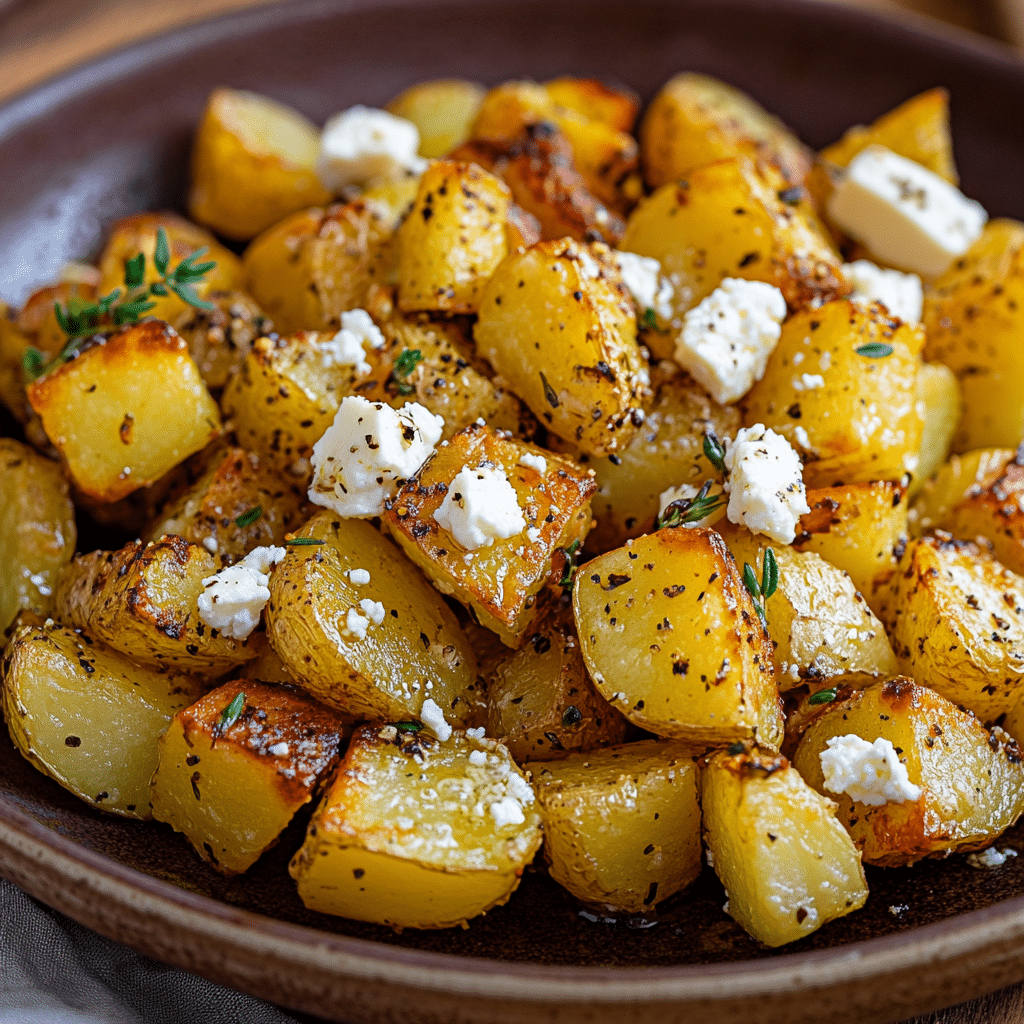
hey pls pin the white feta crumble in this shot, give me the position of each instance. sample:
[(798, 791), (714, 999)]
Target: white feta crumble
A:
[(348, 346), (477, 758), (726, 340), (355, 624), (643, 278), (802, 439), (359, 577), (904, 213), (900, 293), (433, 718), (211, 545), (808, 382), (507, 811), (373, 610), (898, 909), (684, 492), (366, 450), (480, 507), (234, 597), (765, 483), (533, 534), (870, 773), (279, 749), (362, 145), (476, 734), (534, 461), (991, 858)]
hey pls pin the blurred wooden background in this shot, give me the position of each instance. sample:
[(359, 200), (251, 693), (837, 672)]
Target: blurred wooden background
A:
[(41, 37)]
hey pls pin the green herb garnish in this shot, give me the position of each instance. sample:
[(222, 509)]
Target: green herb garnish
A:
[(736, 748), (570, 565), (250, 517), (650, 319), (79, 319), (406, 362), (300, 541), (760, 592), (874, 350), (823, 696), (690, 510), (230, 714), (714, 452), (413, 726)]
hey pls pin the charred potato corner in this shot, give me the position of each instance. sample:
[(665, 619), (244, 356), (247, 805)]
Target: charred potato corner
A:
[(539, 488)]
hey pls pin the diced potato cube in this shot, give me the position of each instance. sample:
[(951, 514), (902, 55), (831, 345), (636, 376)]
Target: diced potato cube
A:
[(787, 864), (442, 110), (940, 391), (540, 701), (622, 825), (971, 779), (236, 766), (556, 322), (416, 833), (336, 648), (956, 619), (126, 410), (37, 530), (671, 636), (596, 101), (143, 602), (87, 716)]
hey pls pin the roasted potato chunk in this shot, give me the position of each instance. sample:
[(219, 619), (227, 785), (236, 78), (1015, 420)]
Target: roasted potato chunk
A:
[(696, 120), (971, 779), (671, 637), (787, 865), (974, 320), (442, 110), (556, 323), (727, 220), (499, 581), (452, 239), (850, 411), (253, 163), (128, 409), (37, 530), (956, 619), (236, 766), (238, 504), (940, 391), (540, 701), (622, 825), (378, 649), (434, 833), (596, 101), (87, 716), (142, 602)]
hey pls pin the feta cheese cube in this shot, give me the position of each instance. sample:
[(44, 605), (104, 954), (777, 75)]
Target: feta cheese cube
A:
[(765, 483), (900, 293), (348, 346), (533, 461), (870, 773), (904, 213), (234, 597), (480, 507), (365, 452), (363, 145), (359, 577), (726, 340), (642, 277)]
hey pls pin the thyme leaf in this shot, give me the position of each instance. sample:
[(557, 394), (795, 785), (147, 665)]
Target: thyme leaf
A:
[(569, 573), (650, 319), (875, 350), (412, 726), (714, 452), (300, 541), (760, 592), (404, 365), (823, 696), (230, 714), (249, 517), (690, 510)]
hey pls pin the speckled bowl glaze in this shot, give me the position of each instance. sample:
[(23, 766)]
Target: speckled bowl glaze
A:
[(112, 138)]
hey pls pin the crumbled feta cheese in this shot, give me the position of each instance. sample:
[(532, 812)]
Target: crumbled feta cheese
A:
[(898, 909), (367, 449), (480, 507), (477, 758), (534, 461), (211, 545), (348, 346), (279, 749), (373, 610), (533, 534), (234, 598), (355, 624), (362, 145), (991, 858), (802, 439), (904, 213), (507, 811), (359, 577), (870, 773), (476, 734), (388, 733), (684, 492), (765, 483), (433, 718), (726, 340), (808, 382), (900, 293), (642, 277)]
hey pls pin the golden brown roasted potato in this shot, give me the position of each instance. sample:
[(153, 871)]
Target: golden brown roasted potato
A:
[(841, 386), (418, 833), (236, 766), (89, 717), (974, 320), (696, 120), (129, 408), (253, 162), (37, 530), (499, 582), (596, 101), (556, 323), (940, 391), (786, 863), (970, 778), (376, 669), (142, 601), (671, 638), (956, 620), (442, 110), (622, 825), (727, 220)]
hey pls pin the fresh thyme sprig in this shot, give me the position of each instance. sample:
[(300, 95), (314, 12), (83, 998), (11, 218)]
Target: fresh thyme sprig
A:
[(249, 517), (404, 365), (690, 510), (569, 573), (823, 696), (760, 592), (413, 726), (714, 452), (79, 319), (650, 319)]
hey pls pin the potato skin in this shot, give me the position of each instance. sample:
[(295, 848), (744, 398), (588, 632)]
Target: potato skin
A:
[(596, 101)]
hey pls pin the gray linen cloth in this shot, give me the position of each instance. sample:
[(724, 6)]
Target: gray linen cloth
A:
[(54, 971)]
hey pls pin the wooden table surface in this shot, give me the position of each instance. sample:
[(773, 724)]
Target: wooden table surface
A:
[(41, 37)]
